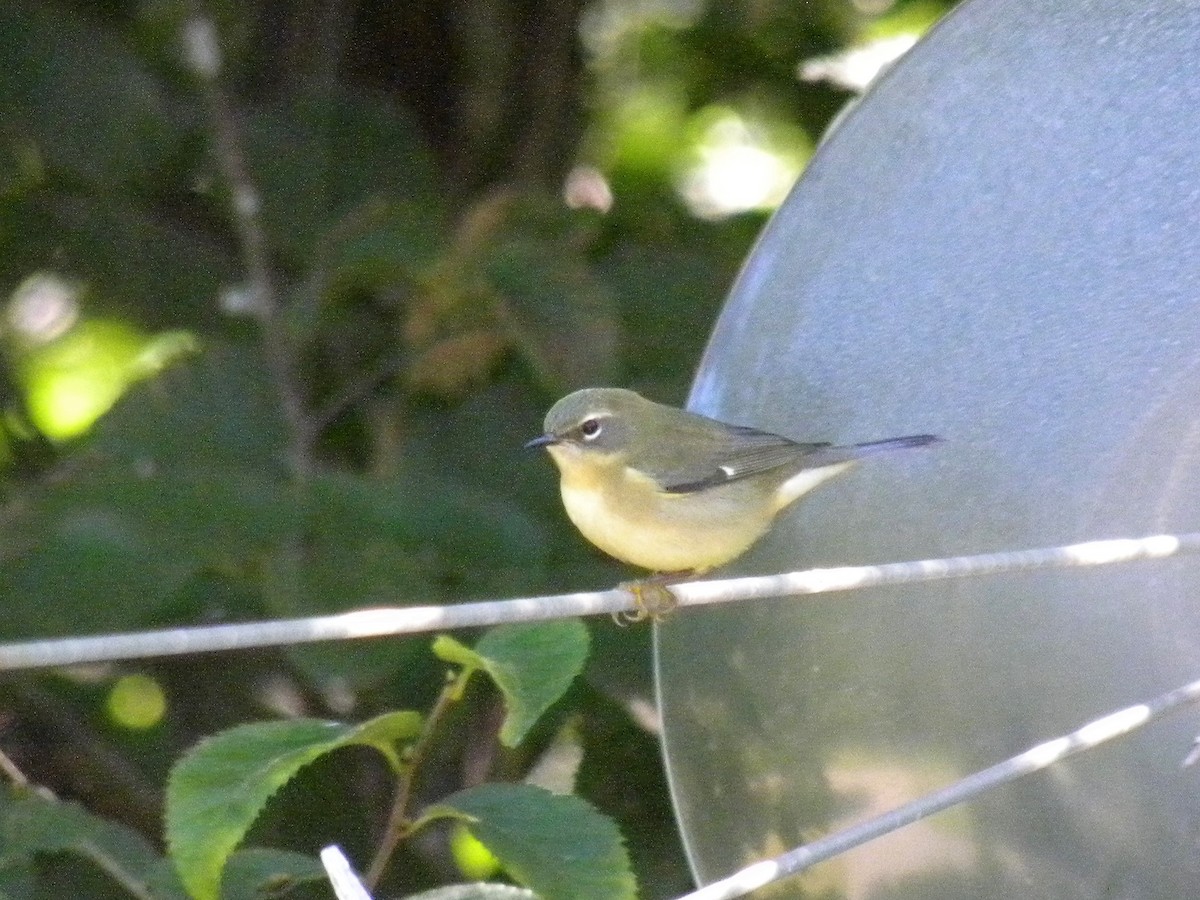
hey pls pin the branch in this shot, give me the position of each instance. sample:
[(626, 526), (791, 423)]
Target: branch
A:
[(203, 55)]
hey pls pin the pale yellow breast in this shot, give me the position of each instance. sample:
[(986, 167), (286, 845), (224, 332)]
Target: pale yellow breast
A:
[(626, 516)]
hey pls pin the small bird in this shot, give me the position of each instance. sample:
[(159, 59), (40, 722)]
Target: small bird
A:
[(675, 492)]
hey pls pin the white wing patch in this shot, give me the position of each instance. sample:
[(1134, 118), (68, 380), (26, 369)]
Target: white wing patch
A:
[(804, 481)]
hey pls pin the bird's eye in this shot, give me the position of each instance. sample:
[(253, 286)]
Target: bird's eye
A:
[(590, 428)]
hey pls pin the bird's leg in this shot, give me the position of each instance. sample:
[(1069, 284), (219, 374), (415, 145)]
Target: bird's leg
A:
[(652, 597)]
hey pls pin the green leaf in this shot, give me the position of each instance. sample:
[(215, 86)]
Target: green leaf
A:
[(323, 161), (184, 477), (532, 252), (559, 846), (380, 243), (258, 873), (219, 408), (33, 824), (533, 665), (413, 539), (687, 278), (90, 574), (456, 653), (75, 89), (218, 789), (134, 261)]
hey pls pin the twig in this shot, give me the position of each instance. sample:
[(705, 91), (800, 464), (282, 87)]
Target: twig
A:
[(1096, 732), (204, 57), (358, 388), (418, 619)]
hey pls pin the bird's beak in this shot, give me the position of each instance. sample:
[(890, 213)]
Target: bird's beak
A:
[(542, 440)]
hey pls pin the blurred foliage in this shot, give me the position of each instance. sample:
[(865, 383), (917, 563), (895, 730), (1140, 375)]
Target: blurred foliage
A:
[(173, 452)]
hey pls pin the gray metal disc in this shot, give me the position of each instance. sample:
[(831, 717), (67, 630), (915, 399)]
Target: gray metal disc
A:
[(1000, 245)]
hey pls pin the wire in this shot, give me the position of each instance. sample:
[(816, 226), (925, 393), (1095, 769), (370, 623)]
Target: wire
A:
[(392, 621), (1096, 732)]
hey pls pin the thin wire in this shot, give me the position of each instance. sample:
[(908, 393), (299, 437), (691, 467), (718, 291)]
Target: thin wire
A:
[(1096, 732), (392, 621)]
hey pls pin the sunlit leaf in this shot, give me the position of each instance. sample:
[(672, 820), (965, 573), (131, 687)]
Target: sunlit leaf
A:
[(532, 664), (136, 702), (473, 859), (74, 379)]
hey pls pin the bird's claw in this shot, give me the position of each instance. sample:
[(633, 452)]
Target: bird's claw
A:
[(652, 599)]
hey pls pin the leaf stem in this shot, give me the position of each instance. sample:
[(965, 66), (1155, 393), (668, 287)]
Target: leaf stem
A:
[(399, 825)]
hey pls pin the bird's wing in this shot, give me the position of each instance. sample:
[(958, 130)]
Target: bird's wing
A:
[(733, 453)]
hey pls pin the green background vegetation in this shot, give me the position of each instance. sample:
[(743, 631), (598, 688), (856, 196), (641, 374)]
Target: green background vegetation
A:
[(319, 405)]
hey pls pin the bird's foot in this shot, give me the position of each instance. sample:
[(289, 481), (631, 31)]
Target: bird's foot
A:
[(652, 598)]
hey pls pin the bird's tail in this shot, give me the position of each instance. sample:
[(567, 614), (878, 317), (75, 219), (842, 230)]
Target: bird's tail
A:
[(832, 455), (900, 443)]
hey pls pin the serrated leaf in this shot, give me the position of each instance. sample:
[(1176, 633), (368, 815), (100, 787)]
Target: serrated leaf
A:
[(217, 790), (559, 846), (533, 665), (33, 824)]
